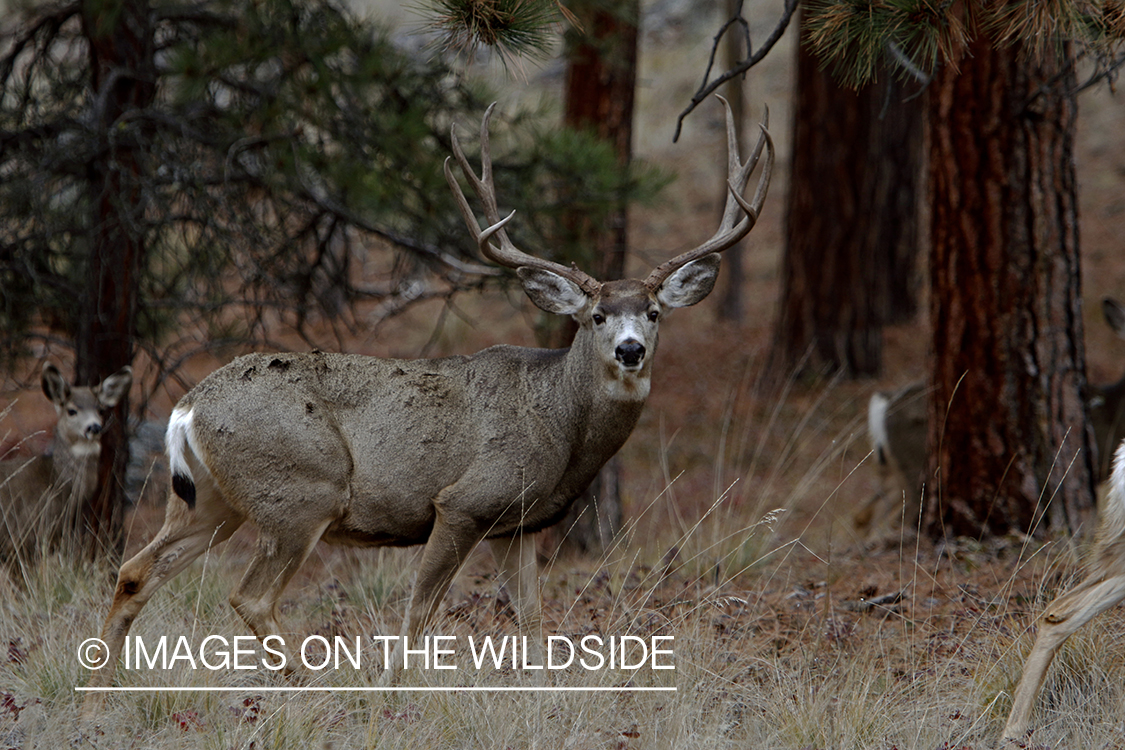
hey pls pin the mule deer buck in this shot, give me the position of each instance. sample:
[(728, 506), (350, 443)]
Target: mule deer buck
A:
[(445, 452), (897, 423), (40, 496)]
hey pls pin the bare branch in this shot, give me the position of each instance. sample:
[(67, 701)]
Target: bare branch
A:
[(421, 248), (709, 87), (1105, 70), (901, 59)]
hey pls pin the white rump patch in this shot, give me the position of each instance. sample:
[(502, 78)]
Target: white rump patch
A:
[(877, 422), (178, 439)]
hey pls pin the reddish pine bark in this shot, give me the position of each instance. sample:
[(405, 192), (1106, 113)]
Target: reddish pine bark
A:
[(122, 79), (601, 79), (852, 233), (600, 83), (1006, 415)]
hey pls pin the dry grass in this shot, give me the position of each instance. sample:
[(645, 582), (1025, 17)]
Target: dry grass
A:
[(780, 642)]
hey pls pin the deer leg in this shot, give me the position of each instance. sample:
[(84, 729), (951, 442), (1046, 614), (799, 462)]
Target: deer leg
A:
[(186, 535), (277, 559), (451, 540), (1063, 617), (519, 573), (866, 517)]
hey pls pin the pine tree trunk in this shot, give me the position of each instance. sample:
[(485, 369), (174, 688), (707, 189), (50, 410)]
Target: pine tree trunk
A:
[(730, 303), (1006, 413), (600, 84), (601, 81), (123, 74), (851, 234)]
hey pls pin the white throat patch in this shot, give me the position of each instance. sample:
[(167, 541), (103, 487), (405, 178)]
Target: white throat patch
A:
[(628, 386)]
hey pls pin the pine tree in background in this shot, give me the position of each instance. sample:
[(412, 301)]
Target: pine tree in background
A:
[(511, 28), (601, 80), (851, 239), (1008, 362)]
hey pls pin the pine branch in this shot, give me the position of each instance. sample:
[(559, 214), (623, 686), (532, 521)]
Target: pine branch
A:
[(513, 28), (858, 37)]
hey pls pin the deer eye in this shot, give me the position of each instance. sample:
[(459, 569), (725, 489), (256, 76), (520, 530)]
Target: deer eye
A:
[(598, 319), (72, 411), (653, 315)]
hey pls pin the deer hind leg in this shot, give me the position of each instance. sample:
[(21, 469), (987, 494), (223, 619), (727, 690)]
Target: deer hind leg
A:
[(279, 556), (519, 573), (1063, 617), (186, 534), (867, 517)]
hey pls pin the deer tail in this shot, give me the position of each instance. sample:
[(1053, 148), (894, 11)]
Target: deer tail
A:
[(179, 440), (877, 425)]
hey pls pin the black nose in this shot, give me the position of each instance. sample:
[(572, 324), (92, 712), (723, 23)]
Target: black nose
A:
[(630, 353), (94, 430)]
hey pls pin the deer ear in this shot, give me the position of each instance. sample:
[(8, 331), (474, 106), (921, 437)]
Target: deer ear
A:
[(551, 292), (115, 386), (691, 283), (54, 387)]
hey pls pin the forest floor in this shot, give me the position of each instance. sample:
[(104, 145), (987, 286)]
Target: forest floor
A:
[(790, 630)]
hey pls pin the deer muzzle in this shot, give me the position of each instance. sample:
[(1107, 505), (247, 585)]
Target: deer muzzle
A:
[(630, 353)]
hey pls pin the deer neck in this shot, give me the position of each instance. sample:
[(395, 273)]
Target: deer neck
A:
[(75, 463), (611, 399)]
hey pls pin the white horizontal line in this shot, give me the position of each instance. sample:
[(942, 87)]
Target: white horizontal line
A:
[(467, 689)]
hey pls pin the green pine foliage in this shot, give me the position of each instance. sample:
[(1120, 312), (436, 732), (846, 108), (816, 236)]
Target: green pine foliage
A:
[(513, 28), (289, 170), (859, 38)]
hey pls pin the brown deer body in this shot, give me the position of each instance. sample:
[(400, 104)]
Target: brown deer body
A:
[(40, 496), (445, 452)]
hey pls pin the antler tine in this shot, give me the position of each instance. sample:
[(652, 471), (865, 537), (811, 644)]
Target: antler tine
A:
[(507, 254), (754, 207), (739, 216)]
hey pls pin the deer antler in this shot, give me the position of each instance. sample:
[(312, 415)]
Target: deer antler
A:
[(739, 216), (507, 254)]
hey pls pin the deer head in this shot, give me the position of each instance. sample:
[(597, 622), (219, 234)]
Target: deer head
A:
[(38, 496), (617, 320), (81, 411)]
